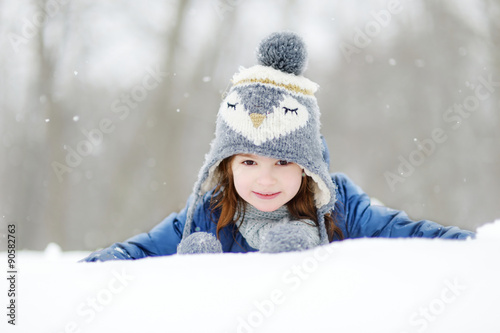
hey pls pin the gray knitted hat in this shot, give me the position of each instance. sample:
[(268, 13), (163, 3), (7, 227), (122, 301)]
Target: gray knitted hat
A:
[(271, 111)]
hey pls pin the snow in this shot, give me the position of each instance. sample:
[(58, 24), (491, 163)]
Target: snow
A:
[(489, 231), (362, 285)]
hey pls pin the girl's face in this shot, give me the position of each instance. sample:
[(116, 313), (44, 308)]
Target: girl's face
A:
[(265, 183)]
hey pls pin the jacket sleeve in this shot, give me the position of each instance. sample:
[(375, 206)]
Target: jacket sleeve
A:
[(161, 240), (362, 219)]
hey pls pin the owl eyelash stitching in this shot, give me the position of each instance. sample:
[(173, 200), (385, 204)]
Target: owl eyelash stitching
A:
[(229, 105), (290, 110)]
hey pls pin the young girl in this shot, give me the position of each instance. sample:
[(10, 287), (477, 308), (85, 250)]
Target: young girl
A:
[(265, 185)]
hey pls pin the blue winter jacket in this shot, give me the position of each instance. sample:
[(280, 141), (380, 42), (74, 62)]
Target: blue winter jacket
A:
[(355, 216)]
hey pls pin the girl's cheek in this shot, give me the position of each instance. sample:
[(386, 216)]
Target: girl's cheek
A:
[(293, 173)]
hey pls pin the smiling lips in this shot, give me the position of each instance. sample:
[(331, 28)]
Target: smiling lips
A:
[(266, 196)]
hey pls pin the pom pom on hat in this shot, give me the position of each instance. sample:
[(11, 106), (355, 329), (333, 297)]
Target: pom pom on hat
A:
[(199, 242), (284, 51)]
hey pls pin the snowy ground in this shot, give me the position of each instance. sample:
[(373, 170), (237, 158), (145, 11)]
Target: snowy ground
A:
[(365, 285)]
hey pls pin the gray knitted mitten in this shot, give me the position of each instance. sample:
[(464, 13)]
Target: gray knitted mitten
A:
[(286, 238), (199, 242)]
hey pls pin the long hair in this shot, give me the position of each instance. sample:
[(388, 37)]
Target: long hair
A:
[(232, 206)]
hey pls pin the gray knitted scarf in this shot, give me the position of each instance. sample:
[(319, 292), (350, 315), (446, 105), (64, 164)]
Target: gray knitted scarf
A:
[(256, 225)]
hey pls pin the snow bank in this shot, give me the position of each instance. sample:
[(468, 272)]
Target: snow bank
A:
[(364, 285), (490, 231)]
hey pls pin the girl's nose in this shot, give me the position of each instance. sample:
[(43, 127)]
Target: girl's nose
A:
[(267, 176)]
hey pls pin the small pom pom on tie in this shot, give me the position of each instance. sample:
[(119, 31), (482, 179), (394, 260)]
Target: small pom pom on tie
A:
[(284, 51), (199, 242), (286, 238)]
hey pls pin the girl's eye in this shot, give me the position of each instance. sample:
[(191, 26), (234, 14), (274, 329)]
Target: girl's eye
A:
[(283, 162), (290, 110), (231, 106), (248, 162)]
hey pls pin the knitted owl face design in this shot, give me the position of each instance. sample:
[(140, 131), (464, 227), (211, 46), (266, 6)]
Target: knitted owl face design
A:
[(261, 113), (271, 111)]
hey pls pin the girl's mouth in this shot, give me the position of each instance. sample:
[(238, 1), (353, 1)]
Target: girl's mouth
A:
[(266, 196)]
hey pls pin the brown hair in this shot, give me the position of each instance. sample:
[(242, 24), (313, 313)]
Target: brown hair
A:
[(229, 202)]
